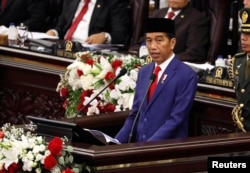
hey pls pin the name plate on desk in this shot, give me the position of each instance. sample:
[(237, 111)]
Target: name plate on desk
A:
[(216, 76), (68, 49)]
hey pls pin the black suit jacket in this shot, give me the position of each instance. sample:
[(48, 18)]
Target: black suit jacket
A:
[(30, 12), (110, 16), (191, 31)]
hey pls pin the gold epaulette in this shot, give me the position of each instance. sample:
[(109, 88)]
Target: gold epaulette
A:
[(231, 65), (231, 69), (239, 54)]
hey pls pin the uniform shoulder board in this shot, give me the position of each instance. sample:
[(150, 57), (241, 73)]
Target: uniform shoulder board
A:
[(239, 54)]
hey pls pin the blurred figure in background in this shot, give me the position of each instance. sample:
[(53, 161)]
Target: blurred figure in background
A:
[(246, 3), (192, 31), (102, 22), (31, 13)]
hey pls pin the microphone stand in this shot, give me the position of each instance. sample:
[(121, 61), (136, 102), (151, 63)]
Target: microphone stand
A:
[(122, 72), (152, 78)]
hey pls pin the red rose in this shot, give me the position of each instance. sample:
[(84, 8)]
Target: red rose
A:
[(13, 168), (90, 61), (109, 107), (68, 170), (79, 72), (1, 134), (79, 106), (84, 94), (55, 146), (64, 92), (50, 162), (116, 63), (109, 76)]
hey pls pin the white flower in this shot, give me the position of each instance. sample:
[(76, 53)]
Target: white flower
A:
[(87, 81), (125, 100), (90, 73), (126, 84), (10, 155), (28, 151)]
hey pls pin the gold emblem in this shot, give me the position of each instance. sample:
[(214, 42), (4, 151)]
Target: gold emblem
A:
[(244, 17), (219, 72), (69, 46), (148, 59)]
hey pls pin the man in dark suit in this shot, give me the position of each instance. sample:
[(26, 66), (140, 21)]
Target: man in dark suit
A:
[(165, 114), (239, 71), (191, 29), (31, 13), (104, 22)]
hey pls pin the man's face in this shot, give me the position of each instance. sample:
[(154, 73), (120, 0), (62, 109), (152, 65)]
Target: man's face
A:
[(177, 4), (246, 3), (245, 42), (160, 47)]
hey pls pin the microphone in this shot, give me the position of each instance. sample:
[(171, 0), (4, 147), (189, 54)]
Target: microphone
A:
[(152, 78), (122, 72)]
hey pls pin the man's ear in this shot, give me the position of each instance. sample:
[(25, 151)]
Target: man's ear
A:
[(173, 43)]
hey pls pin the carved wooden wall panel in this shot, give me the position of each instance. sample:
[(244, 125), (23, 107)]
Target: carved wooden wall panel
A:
[(15, 105)]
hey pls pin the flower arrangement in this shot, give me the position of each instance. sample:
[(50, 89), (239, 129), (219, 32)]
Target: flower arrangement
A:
[(89, 74), (22, 151)]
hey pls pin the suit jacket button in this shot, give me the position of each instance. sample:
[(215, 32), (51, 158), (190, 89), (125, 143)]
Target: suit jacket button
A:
[(243, 91)]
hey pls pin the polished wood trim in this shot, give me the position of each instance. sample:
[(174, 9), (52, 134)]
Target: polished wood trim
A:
[(192, 150)]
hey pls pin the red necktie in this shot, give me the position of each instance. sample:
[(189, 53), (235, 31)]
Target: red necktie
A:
[(170, 15), (153, 86), (77, 20), (3, 4)]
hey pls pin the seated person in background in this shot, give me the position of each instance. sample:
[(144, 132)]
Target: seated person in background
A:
[(29, 12), (104, 22), (191, 28), (239, 71), (246, 3), (165, 112)]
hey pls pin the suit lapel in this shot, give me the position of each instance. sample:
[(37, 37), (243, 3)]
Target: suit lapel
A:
[(98, 7), (181, 15)]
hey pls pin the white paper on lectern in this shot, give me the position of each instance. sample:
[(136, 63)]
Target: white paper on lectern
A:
[(108, 138)]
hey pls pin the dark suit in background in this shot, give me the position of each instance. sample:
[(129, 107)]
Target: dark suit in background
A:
[(30, 12), (191, 30), (111, 16)]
